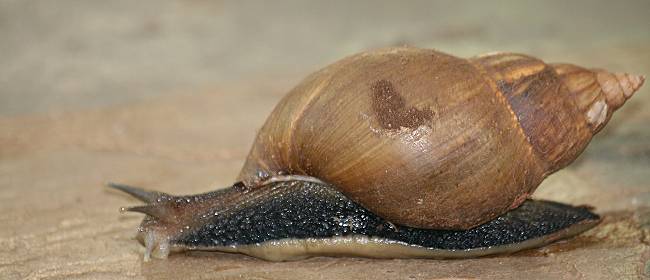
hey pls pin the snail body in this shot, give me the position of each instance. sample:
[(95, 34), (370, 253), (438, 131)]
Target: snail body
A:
[(416, 138)]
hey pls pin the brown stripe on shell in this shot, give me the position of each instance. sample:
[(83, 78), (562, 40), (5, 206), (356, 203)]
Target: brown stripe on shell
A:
[(535, 168), (553, 124), (480, 63), (499, 59), (512, 66)]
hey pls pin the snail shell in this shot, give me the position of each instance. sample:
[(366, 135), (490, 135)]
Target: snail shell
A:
[(430, 140), (402, 152)]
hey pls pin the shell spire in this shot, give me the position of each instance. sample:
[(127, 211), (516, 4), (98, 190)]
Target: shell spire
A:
[(598, 93), (618, 87)]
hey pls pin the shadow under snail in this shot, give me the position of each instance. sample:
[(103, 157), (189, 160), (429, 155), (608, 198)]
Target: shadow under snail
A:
[(401, 153)]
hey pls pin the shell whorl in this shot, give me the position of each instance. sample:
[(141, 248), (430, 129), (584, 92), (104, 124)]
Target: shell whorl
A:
[(560, 106), (598, 93)]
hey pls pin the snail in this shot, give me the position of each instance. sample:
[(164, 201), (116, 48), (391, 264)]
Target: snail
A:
[(401, 153)]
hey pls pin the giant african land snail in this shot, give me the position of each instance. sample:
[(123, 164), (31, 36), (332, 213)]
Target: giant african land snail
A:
[(402, 152)]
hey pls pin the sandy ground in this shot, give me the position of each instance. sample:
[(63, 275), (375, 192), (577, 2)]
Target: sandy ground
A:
[(168, 95)]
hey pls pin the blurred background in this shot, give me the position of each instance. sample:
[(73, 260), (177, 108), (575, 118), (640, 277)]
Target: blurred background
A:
[(63, 55), (168, 95)]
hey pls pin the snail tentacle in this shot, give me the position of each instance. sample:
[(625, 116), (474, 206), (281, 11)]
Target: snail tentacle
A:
[(141, 194)]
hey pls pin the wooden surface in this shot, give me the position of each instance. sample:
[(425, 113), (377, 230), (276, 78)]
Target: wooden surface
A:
[(168, 95)]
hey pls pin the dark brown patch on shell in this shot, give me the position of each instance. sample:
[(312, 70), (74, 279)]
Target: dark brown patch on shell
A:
[(391, 111)]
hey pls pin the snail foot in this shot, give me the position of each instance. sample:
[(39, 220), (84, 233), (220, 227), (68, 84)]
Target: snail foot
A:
[(289, 220)]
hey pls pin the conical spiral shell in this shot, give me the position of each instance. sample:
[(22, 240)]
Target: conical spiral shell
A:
[(429, 140)]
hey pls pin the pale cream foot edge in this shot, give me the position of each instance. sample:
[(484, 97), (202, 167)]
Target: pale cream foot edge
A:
[(374, 247)]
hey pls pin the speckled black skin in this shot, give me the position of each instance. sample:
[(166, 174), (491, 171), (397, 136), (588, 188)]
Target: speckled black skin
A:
[(300, 210)]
